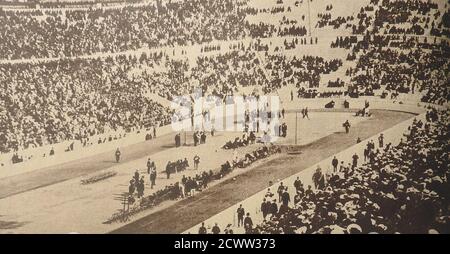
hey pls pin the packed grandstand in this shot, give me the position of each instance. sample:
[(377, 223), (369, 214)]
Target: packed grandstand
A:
[(80, 71)]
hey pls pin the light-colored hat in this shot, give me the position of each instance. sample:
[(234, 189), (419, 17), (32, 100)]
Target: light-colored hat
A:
[(354, 227)]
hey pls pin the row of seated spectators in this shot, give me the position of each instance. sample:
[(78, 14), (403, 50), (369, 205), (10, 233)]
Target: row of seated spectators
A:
[(189, 185), (285, 70), (403, 189), (325, 19), (396, 58), (200, 181), (421, 68), (417, 15), (85, 97), (314, 93), (344, 42), (245, 140), (337, 83), (71, 33), (275, 10), (222, 74), (197, 183), (49, 102), (249, 158), (444, 29)]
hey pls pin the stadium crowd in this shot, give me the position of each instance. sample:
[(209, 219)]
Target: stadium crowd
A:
[(401, 189), (99, 94), (49, 102), (70, 33), (396, 58)]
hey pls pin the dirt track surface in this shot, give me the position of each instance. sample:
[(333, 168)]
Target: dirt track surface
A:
[(54, 174), (189, 212)]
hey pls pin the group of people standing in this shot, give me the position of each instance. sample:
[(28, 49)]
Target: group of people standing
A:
[(282, 130), (199, 137), (244, 219), (151, 170), (137, 185), (177, 166), (137, 182)]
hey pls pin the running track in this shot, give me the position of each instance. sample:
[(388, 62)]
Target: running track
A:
[(54, 174), (189, 212)]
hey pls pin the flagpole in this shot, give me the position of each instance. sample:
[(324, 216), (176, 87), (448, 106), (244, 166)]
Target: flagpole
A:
[(296, 126)]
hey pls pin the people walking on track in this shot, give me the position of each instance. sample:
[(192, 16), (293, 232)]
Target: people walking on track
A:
[(118, 153), (305, 113), (196, 161), (151, 170), (177, 140), (381, 140), (152, 178), (346, 125), (240, 214), (168, 169), (335, 163)]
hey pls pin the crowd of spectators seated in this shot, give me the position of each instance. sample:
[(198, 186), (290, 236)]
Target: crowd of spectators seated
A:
[(98, 95), (245, 140), (402, 189), (49, 102), (188, 185), (344, 42), (314, 93), (418, 69), (325, 19), (298, 71), (46, 102), (224, 73), (197, 183), (249, 158), (337, 83), (396, 58), (75, 32)]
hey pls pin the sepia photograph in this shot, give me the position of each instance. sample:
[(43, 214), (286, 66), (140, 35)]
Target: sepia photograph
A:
[(224, 117)]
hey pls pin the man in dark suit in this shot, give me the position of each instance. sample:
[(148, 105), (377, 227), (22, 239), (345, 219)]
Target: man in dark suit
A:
[(284, 129), (202, 229), (381, 140), (274, 208), (335, 163), (240, 215), (153, 177), (346, 126), (248, 223), (355, 158), (215, 230), (264, 208), (177, 140), (285, 198), (297, 184), (168, 169), (280, 191)]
